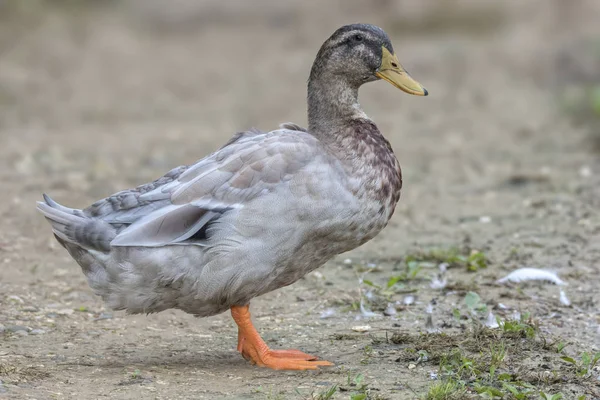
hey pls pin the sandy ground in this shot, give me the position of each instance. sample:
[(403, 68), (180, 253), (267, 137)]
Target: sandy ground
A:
[(97, 99)]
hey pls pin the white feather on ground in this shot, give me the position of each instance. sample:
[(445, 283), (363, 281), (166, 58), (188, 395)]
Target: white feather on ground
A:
[(532, 274)]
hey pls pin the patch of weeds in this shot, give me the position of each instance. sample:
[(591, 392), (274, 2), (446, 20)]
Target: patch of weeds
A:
[(367, 354), (586, 363), (278, 395), (346, 336), (497, 355), (469, 259), (411, 271), (511, 361), (359, 389), (15, 375), (134, 378), (523, 327), (376, 296), (547, 396), (326, 394), (473, 302), (446, 390), (401, 338)]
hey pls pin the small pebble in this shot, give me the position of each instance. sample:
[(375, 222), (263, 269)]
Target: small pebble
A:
[(585, 172), (16, 298), (37, 332), (408, 300), (103, 316), (412, 366), (361, 328), (328, 313), (390, 310), (17, 328)]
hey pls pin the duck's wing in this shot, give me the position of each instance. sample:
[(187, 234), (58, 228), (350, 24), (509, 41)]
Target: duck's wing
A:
[(177, 211)]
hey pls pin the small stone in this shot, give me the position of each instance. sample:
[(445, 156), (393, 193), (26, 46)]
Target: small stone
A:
[(37, 332), (103, 316), (390, 310), (585, 172), (16, 299), (30, 309), (17, 328), (22, 333), (318, 275), (2, 328), (412, 366), (361, 328), (328, 313), (65, 311)]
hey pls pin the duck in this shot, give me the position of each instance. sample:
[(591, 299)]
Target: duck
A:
[(256, 215)]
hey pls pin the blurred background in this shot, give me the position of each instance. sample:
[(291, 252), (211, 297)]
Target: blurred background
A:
[(102, 95)]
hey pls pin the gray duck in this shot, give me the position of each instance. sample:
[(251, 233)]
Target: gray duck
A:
[(256, 215)]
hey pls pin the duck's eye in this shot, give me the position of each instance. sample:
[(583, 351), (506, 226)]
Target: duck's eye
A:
[(358, 38)]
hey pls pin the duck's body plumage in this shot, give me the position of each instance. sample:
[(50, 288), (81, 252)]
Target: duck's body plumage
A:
[(257, 214), (254, 216)]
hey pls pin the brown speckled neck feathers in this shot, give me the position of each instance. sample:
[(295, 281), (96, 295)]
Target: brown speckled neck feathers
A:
[(368, 157)]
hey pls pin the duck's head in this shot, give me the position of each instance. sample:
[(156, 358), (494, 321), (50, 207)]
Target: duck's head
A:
[(361, 53)]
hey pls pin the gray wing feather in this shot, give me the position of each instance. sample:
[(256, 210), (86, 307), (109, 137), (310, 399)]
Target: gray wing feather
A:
[(170, 225), (251, 165), (172, 209)]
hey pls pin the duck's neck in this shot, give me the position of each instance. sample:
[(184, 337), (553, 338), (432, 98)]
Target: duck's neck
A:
[(332, 103)]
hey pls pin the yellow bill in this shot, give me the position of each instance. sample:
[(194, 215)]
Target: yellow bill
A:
[(394, 73)]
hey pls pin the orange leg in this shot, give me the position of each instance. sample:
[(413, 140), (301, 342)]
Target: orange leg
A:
[(253, 348)]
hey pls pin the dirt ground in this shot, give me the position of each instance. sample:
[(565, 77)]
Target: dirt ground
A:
[(98, 98)]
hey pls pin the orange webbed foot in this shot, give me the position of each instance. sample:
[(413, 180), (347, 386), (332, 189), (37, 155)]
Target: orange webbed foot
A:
[(254, 349)]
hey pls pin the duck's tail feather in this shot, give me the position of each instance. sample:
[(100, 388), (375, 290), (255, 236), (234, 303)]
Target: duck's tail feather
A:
[(73, 226)]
